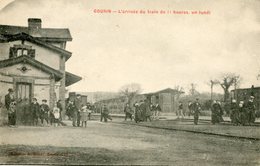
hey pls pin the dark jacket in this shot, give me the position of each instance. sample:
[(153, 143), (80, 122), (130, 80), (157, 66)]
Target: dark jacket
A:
[(8, 100), (35, 109)]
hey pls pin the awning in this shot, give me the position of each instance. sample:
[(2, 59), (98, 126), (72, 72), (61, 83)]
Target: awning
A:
[(71, 79)]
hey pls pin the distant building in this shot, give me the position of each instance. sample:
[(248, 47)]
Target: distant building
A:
[(245, 93), (167, 99), (33, 60)]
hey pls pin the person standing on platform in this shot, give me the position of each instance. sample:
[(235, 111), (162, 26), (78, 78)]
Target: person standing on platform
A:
[(78, 105), (60, 107), (128, 112), (56, 113), (35, 109), (180, 111), (8, 99), (242, 113), (148, 112), (142, 108), (197, 109), (234, 114), (157, 111), (216, 112), (251, 110), (84, 115), (44, 112), (137, 112), (12, 114), (105, 113)]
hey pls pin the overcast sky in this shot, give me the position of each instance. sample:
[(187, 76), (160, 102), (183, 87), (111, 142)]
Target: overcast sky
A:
[(157, 51)]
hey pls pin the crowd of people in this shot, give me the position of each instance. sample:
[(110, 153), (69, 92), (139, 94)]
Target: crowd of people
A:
[(32, 113), (35, 114), (143, 111), (241, 113)]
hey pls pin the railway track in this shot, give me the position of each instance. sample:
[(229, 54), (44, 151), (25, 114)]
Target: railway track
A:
[(193, 131)]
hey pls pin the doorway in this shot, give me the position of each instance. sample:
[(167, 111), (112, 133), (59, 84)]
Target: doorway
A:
[(24, 96)]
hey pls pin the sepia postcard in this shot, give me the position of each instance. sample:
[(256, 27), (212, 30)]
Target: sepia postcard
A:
[(130, 82)]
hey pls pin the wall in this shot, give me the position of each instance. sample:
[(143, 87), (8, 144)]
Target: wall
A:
[(43, 55), (41, 81), (5, 47), (46, 56)]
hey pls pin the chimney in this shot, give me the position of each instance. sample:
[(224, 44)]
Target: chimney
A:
[(34, 26)]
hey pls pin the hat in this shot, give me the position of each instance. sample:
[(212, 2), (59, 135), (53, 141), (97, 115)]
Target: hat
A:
[(44, 100), (252, 97), (10, 90), (234, 101)]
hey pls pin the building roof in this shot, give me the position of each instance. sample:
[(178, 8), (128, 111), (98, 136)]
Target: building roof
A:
[(26, 59), (50, 34), (71, 79), (242, 89), (167, 90), (24, 36)]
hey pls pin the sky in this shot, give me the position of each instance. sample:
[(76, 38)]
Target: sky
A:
[(155, 50)]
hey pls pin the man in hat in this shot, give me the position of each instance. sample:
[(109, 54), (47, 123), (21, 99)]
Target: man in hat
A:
[(35, 110), (251, 110), (44, 111), (9, 98), (197, 109), (76, 113)]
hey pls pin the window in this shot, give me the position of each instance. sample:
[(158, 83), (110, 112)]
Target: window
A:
[(25, 52), (19, 50)]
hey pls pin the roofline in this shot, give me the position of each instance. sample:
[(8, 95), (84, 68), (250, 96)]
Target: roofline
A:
[(64, 39), (78, 78), (245, 88), (25, 36), (24, 58)]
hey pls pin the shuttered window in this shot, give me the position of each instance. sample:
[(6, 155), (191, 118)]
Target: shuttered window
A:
[(16, 51)]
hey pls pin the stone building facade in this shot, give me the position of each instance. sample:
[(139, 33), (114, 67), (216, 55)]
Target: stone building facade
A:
[(33, 60)]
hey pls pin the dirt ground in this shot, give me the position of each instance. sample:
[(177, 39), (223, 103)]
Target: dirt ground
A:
[(111, 143)]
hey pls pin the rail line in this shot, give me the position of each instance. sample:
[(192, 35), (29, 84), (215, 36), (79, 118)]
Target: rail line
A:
[(192, 131)]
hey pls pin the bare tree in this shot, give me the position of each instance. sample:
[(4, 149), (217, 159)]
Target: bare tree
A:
[(180, 90), (226, 81), (130, 91)]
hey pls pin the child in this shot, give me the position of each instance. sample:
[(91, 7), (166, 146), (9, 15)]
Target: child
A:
[(84, 115), (56, 113)]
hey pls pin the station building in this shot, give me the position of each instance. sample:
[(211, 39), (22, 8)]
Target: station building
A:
[(33, 62)]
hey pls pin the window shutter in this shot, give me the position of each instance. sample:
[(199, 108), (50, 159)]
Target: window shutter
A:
[(12, 52), (31, 53)]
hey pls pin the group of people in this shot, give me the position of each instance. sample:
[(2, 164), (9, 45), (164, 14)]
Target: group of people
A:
[(143, 111), (243, 113), (78, 112), (32, 113)]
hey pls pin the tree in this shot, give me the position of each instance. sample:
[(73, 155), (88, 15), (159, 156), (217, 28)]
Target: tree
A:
[(130, 91), (226, 81)]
